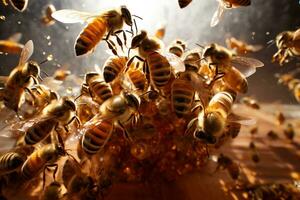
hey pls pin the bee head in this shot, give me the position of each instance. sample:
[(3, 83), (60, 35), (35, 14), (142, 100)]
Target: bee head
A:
[(69, 104), (126, 15), (283, 39), (33, 68), (53, 96), (132, 100), (208, 138), (138, 39)]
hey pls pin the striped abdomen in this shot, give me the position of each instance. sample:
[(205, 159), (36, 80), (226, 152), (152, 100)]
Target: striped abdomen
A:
[(182, 97), (222, 103), (96, 136), (19, 5), (90, 36), (100, 91), (159, 68), (236, 3), (39, 130), (113, 67), (138, 78), (9, 162)]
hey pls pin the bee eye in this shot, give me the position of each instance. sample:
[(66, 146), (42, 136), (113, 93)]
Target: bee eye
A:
[(132, 100)]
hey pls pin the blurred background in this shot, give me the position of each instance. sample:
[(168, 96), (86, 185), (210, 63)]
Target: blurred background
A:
[(257, 24)]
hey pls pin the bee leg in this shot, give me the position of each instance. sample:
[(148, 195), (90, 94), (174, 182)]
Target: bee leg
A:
[(190, 125), (76, 119), (120, 43), (136, 28), (111, 46), (131, 60), (31, 94), (127, 136), (35, 81)]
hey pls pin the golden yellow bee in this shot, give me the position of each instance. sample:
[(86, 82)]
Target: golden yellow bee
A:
[(47, 18), (114, 112), (11, 45), (21, 79), (250, 102), (19, 5), (232, 69), (292, 83), (96, 87), (241, 47), (107, 23), (160, 32), (184, 3), (227, 4), (288, 44), (60, 112), (113, 67), (61, 74), (224, 162)]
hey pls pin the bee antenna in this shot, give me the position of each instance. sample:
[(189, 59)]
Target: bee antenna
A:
[(270, 43), (199, 45), (44, 61), (45, 73), (137, 17), (78, 97)]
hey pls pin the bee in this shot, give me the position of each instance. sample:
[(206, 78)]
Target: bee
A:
[(241, 47), (156, 66), (160, 32), (109, 22), (114, 112), (177, 48), (292, 83), (289, 132), (47, 18), (225, 162), (232, 69), (280, 119), (182, 97), (11, 45), (250, 102), (53, 191), (254, 155), (184, 3), (272, 135), (113, 67), (21, 79), (61, 74), (254, 130), (56, 113), (288, 45), (96, 87), (19, 5), (10, 162), (227, 4)]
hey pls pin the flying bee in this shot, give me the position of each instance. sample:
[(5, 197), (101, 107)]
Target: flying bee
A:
[(96, 87), (53, 191), (254, 154), (156, 66), (289, 132), (177, 48), (250, 102), (184, 3), (47, 18), (160, 32), (19, 5), (61, 74), (292, 83), (114, 112), (232, 69), (11, 45), (272, 135), (113, 67), (225, 162), (21, 79), (241, 47), (227, 4), (280, 119), (288, 44), (107, 23), (59, 112)]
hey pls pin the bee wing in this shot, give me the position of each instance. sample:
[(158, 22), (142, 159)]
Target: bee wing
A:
[(26, 52), (176, 62), (217, 15), (241, 119), (246, 66), (15, 37), (256, 47), (72, 16)]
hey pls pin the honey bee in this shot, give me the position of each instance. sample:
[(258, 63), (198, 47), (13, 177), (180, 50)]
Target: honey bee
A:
[(254, 130), (250, 102), (224, 162), (109, 22), (12, 45), (56, 113), (19, 5), (113, 67), (272, 135), (96, 87), (182, 97), (184, 3), (10, 161), (289, 132), (47, 18), (53, 191), (160, 32), (227, 4), (156, 66), (21, 79), (61, 74), (288, 45), (241, 47), (232, 69), (177, 48), (280, 119), (114, 112), (254, 155), (292, 83)]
